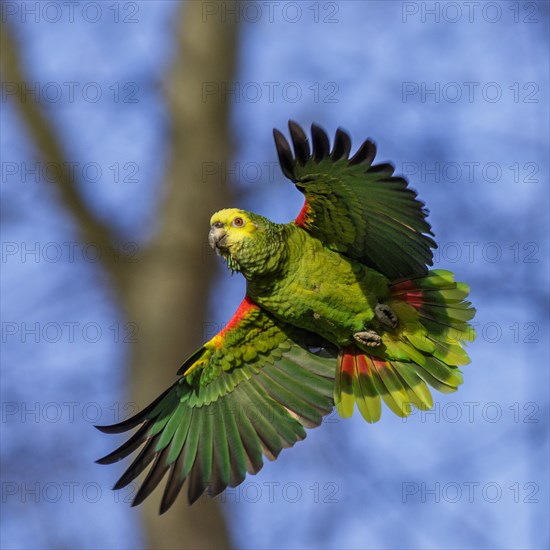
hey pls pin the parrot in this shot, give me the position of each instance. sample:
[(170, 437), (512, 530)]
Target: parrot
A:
[(341, 311)]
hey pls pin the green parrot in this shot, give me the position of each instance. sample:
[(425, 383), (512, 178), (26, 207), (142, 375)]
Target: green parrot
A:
[(340, 310)]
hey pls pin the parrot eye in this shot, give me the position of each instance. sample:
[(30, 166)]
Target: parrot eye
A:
[(238, 222)]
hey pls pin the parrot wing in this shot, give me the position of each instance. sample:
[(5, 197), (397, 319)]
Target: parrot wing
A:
[(355, 207), (247, 392)]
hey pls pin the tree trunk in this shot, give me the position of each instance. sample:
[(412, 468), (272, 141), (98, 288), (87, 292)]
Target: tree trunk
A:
[(168, 295)]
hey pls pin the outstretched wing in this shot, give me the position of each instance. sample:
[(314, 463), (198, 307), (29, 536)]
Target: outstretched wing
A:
[(249, 391), (355, 207)]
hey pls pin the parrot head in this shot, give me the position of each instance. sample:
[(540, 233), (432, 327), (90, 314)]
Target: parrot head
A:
[(229, 230), (243, 239)]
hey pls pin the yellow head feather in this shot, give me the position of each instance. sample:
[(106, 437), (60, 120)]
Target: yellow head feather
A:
[(237, 223)]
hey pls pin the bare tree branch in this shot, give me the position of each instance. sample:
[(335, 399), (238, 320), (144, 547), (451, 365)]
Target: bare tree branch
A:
[(48, 146)]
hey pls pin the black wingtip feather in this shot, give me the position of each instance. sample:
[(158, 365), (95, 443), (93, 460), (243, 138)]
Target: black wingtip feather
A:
[(154, 477), (123, 426), (196, 487), (384, 168), (286, 159), (320, 148), (321, 143), (126, 448), (342, 145), (300, 142), (135, 420), (173, 485), (365, 154), (141, 462)]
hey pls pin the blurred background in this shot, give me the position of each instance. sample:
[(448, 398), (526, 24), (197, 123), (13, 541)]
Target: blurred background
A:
[(125, 125)]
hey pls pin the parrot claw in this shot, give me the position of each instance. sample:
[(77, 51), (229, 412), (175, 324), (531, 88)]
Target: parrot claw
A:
[(385, 315), (368, 338)]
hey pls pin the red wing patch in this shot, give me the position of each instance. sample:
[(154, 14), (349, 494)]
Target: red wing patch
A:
[(348, 361), (362, 366), (304, 217), (378, 363), (408, 292), (246, 306)]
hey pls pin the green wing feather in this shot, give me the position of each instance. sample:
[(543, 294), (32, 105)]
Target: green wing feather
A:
[(355, 207), (248, 392)]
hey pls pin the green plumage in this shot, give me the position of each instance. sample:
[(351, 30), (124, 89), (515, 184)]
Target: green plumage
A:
[(340, 310)]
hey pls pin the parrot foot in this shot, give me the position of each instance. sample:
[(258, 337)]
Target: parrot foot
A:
[(368, 338), (386, 315)]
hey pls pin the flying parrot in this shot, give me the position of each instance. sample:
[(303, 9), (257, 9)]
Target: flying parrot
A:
[(340, 310)]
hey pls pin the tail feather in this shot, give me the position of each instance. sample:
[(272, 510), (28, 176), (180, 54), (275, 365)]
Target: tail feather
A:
[(343, 389), (425, 350), (392, 390), (356, 383), (365, 385), (417, 390)]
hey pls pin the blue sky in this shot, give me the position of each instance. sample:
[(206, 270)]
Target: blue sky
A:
[(456, 98)]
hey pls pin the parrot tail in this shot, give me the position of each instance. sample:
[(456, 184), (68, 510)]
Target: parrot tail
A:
[(425, 349)]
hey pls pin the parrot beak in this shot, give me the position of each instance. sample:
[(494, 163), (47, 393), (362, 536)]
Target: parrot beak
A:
[(217, 239)]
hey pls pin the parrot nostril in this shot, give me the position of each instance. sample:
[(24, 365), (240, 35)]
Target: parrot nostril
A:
[(216, 238)]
